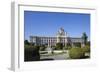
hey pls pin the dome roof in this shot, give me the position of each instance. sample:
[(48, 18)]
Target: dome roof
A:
[(61, 32)]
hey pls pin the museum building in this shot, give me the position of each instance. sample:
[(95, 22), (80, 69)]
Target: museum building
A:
[(61, 37)]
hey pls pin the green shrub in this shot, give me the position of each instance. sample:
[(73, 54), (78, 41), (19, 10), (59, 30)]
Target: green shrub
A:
[(37, 47), (76, 53), (28, 46), (42, 48), (86, 49), (67, 48), (77, 45), (59, 46), (31, 53), (55, 48)]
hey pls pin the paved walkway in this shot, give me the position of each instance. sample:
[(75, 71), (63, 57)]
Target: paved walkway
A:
[(62, 56)]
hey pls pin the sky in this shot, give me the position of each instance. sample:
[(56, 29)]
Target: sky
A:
[(48, 23)]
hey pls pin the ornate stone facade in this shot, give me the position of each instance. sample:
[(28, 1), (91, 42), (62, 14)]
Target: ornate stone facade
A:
[(61, 37)]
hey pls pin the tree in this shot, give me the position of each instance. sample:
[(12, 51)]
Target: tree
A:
[(88, 43), (26, 42), (86, 48), (84, 37), (69, 45), (59, 46)]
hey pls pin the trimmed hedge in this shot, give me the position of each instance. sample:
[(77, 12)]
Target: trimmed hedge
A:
[(76, 53), (31, 53)]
